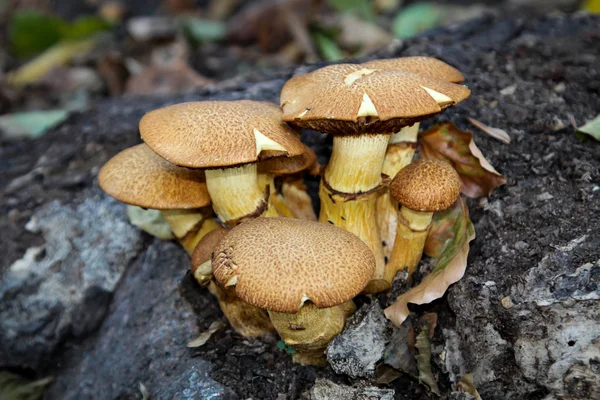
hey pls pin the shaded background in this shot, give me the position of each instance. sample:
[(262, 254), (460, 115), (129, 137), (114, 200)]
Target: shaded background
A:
[(58, 57)]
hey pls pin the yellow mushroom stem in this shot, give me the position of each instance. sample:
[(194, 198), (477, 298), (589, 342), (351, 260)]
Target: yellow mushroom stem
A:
[(399, 154), (349, 191), (189, 226), (413, 227), (297, 199), (310, 330), (276, 200), (235, 194), (245, 319)]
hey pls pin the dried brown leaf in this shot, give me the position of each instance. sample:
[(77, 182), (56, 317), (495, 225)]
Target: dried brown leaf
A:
[(496, 133), (466, 385), (204, 336), (445, 141)]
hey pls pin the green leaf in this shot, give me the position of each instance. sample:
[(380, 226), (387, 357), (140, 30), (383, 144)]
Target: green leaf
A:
[(416, 18), (30, 124), (328, 48), (85, 27), (362, 8), (591, 128), (30, 32), (203, 30)]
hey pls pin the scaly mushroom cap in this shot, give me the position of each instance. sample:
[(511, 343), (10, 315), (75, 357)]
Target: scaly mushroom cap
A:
[(205, 247), (279, 263), (139, 177), (428, 66), (289, 165), (350, 99), (427, 185), (219, 134)]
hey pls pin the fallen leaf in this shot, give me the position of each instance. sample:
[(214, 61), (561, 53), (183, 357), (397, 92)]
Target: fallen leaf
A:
[(591, 128), (399, 352), (30, 124), (328, 48), (31, 32), (57, 55), (361, 8), (13, 386), (430, 320), (445, 141), (493, 132), (416, 18), (264, 22), (361, 35), (172, 79), (466, 385), (424, 360), (204, 336), (450, 244), (203, 30)]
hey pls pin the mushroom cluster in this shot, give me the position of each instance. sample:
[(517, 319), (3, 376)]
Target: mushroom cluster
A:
[(227, 176)]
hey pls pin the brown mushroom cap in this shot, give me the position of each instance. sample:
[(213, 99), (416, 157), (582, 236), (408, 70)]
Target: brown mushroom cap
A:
[(217, 134), (427, 185), (289, 165), (279, 263), (139, 177), (428, 66), (205, 247), (330, 99)]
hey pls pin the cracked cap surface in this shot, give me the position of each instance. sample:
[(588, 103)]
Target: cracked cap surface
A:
[(278, 263), (139, 177), (427, 185), (217, 134), (428, 66), (351, 99)]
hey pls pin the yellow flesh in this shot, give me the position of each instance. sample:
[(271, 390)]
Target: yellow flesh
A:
[(235, 193)]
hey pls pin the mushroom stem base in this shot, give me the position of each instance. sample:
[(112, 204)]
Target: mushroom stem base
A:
[(310, 330), (245, 319), (356, 214), (413, 227), (398, 156)]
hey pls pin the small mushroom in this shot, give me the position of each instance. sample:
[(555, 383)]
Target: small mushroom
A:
[(361, 107), (303, 272), (421, 188), (402, 145), (246, 319), (226, 139), (139, 177), (289, 195)]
